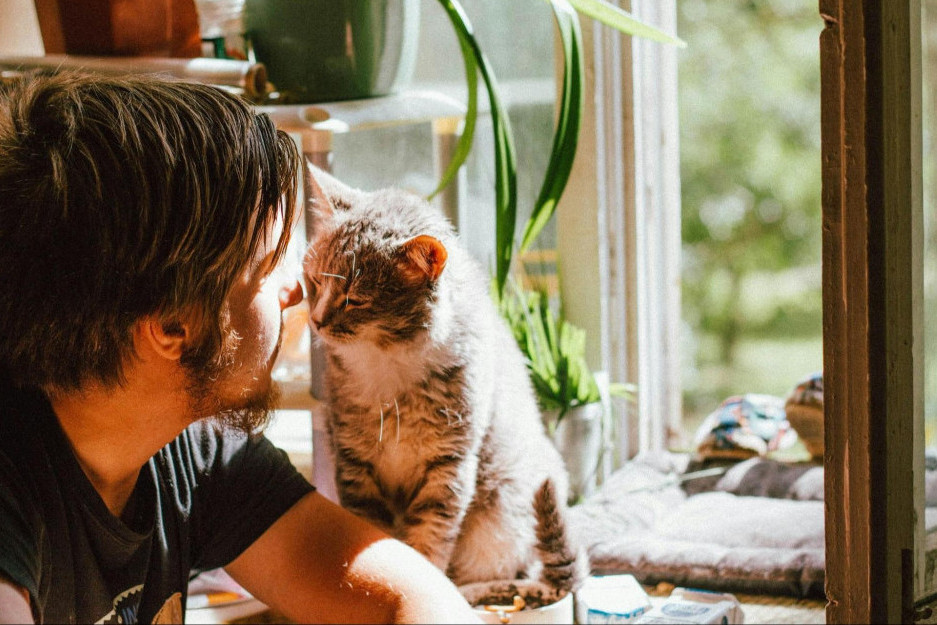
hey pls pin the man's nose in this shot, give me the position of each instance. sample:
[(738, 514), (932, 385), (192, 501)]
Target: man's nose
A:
[(291, 295)]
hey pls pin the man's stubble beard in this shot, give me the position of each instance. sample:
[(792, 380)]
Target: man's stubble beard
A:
[(248, 414)]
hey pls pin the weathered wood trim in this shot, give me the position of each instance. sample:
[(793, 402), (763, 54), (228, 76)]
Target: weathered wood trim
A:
[(869, 310)]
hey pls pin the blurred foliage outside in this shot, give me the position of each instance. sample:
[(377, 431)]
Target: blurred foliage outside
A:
[(749, 98)]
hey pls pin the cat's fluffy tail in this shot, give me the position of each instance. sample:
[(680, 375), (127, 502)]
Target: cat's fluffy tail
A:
[(564, 566)]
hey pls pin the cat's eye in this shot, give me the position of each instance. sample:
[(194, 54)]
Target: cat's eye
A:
[(351, 302)]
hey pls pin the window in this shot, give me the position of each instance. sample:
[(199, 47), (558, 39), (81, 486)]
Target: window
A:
[(750, 153)]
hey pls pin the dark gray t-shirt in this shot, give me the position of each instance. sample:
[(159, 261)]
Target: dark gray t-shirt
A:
[(198, 503)]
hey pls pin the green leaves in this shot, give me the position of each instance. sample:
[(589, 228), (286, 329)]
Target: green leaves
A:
[(505, 159), (554, 348), (568, 122), (621, 20), (569, 119), (471, 115)]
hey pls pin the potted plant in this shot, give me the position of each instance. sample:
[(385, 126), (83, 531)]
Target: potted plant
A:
[(318, 50), (327, 50), (573, 399), (566, 133)]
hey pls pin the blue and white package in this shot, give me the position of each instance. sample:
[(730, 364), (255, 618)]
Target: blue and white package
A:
[(611, 599)]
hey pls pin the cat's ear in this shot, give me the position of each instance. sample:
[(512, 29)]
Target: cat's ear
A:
[(326, 194), (423, 258)]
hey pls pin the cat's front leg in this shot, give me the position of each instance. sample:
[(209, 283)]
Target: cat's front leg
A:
[(433, 520), (358, 491)]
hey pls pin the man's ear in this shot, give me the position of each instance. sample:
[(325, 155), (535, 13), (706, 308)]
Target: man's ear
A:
[(424, 257), (166, 338)]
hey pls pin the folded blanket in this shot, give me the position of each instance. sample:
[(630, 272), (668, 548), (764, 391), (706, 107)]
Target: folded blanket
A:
[(642, 522)]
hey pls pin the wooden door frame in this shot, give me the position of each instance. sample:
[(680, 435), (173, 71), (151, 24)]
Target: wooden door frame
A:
[(872, 353)]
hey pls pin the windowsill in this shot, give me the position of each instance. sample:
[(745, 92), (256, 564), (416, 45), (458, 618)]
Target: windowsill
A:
[(291, 431)]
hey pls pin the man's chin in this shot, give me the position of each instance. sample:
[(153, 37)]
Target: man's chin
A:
[(252, 415)]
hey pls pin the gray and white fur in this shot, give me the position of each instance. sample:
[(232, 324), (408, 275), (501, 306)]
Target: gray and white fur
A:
[(434, 425)]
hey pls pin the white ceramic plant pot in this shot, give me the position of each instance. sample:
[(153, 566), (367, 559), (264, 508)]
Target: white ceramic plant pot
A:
[(557, 606), (579, 439)]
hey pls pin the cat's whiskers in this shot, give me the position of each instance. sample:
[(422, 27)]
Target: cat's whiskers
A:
[(334, 275), (397, 408), (380, 435), (448, 412)]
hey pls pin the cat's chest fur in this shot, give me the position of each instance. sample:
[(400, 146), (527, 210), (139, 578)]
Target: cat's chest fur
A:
[(398, 406), (378, 374), (399, 420), (375, 374)]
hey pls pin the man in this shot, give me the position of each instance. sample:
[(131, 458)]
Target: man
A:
[(141, 225)]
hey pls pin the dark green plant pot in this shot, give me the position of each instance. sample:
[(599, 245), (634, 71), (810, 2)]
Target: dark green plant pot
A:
[(324, 50)]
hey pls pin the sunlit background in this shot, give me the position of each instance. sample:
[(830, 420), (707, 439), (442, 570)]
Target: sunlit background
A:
[(749, 89)]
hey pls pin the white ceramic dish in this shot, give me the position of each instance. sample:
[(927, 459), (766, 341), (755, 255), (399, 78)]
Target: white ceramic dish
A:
[(557, 608)]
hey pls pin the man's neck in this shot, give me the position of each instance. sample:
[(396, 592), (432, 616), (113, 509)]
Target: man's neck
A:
[(115, 431)]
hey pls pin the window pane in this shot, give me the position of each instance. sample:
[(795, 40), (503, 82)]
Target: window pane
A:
[(750, 175)]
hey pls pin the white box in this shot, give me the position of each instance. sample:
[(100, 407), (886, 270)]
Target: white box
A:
[(611, 599)]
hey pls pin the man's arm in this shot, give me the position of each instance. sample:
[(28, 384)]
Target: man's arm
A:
[(14, 603), (319, 563)]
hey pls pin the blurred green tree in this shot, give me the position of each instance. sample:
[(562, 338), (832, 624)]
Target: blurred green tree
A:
[(750, 174)]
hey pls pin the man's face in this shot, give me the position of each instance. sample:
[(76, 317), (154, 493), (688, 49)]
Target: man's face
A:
[(238, 391)]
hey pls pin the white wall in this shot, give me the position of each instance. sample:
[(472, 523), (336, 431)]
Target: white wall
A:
[(19, 28)]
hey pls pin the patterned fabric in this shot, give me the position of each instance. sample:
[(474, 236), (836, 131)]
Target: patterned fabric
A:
[(808, 392), (744, 426)]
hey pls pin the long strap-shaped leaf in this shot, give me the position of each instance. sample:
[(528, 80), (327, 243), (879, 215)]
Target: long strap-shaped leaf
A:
[(568, 123), (464, 145), (505, 159), (619, 19)]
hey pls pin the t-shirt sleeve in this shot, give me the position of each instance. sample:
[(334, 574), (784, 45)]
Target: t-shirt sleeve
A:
[(244, 484), (20, 531)]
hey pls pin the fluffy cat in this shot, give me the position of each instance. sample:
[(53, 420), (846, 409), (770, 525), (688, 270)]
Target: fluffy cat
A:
[(434, 425)]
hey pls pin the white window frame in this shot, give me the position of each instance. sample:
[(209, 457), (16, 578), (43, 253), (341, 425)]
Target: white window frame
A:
[(620, 221)]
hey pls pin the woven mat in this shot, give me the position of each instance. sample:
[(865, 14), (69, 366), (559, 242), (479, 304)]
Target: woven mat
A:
[(782, 610)]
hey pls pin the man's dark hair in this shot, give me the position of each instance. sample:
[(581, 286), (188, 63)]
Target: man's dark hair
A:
[(122, 198)]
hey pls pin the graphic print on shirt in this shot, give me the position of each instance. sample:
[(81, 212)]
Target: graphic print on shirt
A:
[(126, 606)]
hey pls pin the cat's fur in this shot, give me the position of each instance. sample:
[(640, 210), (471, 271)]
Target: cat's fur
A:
[(435, 428)]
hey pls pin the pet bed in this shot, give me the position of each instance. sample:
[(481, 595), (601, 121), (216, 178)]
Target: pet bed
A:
[(757, 528)]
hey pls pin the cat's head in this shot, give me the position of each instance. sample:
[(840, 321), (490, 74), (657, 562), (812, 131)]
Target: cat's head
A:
[(374, 264)]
